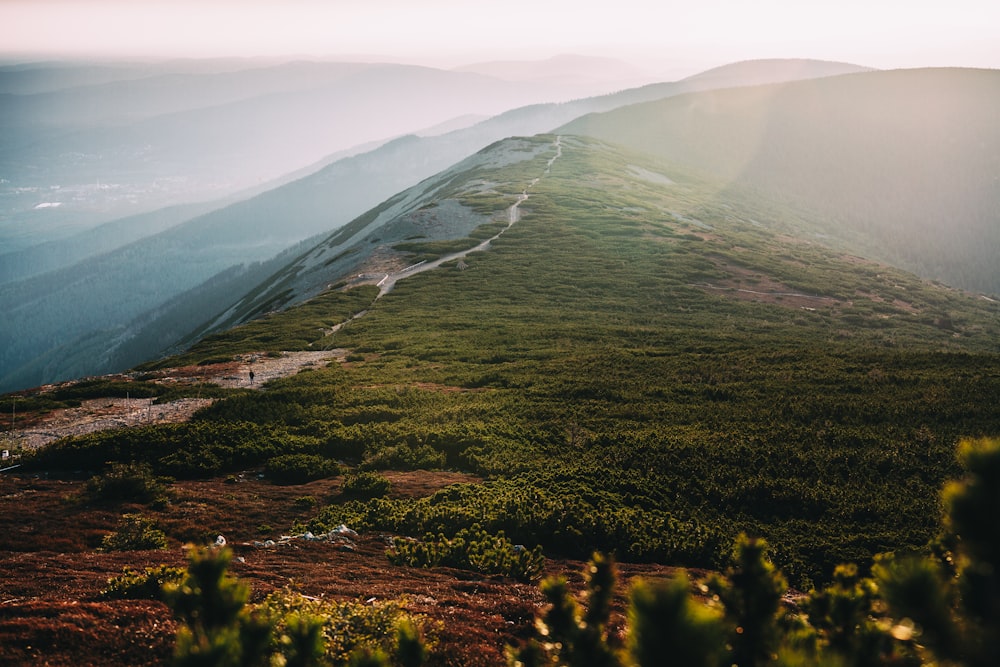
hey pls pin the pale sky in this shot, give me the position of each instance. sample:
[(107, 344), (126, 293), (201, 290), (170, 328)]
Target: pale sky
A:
[(694, 33)]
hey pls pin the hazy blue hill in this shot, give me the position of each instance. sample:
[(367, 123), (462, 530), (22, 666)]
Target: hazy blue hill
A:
[(32, 78), (900, 164), (158, 93), (771, 70), (107, 151), (280, 132), (23, 264), (62, 253), (29, 78)]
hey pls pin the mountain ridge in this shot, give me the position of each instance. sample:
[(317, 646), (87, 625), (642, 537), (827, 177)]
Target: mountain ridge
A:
[(316, 203), (429, 219)]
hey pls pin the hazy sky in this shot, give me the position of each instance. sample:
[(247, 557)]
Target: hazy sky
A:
[(693, 33)]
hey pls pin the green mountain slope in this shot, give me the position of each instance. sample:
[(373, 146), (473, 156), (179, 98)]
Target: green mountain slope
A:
[(641, 362), (118, 308), (902, 165)]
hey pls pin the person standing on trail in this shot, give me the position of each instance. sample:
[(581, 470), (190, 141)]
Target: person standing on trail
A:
[(251, 376)]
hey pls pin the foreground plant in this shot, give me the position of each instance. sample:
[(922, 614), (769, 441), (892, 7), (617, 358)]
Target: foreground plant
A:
[(949, 603), (935, 610), (132, 481), (134, 532), (219, 628), (471, 549), (145, 585), (750, 594), (666, 626), (216, 626)]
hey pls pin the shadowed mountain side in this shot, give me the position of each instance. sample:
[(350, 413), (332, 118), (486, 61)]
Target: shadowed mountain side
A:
[(107, 291), (903, 164), (51, 256), (124, 345)]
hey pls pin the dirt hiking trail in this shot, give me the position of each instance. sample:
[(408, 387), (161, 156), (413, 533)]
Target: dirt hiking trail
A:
[(98, 414)]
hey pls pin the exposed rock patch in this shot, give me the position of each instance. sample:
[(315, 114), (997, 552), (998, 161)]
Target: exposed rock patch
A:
[(100, 414)]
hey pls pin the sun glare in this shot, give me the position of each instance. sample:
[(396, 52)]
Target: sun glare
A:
[(884, 33)]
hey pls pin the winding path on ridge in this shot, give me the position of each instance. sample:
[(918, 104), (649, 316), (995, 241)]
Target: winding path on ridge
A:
[(106, 413), (513, 215)]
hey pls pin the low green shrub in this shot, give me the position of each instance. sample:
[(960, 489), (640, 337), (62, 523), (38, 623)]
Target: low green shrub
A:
[(200, 390), (300, 468), (306, 502), (471, 549), (349, 629), (570, 518), (145, 585), (210, 361), (365, 484), (127, 482), (134, 533), (404, 457), (191, 450)]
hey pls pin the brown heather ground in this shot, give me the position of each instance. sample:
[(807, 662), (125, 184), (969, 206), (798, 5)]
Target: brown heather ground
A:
[(51, 572)]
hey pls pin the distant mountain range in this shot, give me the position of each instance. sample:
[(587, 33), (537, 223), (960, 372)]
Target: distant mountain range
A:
[(136, 139), (144, 281)]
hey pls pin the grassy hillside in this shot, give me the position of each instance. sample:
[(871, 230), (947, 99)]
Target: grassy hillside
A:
[(643, 363), (126, 304), (901, 165)]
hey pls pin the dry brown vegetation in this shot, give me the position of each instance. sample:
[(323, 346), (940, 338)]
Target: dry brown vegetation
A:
[(51, 611)]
